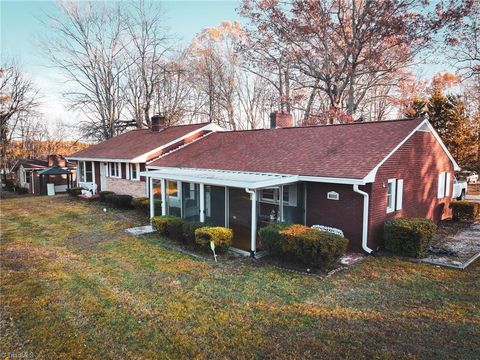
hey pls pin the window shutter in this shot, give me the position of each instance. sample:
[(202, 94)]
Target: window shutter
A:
[(441, 185), (447, 185), (399, 193)]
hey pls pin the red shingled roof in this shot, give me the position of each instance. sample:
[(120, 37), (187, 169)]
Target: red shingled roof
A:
[(135, 143), (344, 151)]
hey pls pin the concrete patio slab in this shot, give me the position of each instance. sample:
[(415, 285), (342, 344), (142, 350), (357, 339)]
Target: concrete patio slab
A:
[(140, 230)]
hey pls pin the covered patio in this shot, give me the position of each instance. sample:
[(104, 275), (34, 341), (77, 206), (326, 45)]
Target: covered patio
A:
[(56, 172), (242, 201)]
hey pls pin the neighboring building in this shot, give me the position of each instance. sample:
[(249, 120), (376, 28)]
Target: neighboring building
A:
[(352, 177), (27, 174), (115, 164)]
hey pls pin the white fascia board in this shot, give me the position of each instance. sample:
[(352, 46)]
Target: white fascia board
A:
[(425, 124), (332, 180), (144, 158), (98, 159)]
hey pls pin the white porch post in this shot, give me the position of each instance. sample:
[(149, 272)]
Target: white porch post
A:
[(151, 199), (164, 197), (253, 245), (202, 203)]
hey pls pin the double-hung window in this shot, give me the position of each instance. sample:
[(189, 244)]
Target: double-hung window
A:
[(134, 171), (114, 169), (443, 185), (394, 195), (85, 171)]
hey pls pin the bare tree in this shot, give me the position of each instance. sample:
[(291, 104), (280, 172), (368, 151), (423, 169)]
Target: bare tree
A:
[(148, 44), (88, 45), (18, 101)]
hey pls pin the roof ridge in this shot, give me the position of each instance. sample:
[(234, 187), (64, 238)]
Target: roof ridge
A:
[(325, 125)]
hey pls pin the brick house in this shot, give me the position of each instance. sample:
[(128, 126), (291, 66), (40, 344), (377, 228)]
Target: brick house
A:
[(115, 164), (352, 177)]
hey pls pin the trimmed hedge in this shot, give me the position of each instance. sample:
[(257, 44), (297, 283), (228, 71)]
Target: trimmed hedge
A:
[(409, 236), (302, 243), (119, 201), (465, 210), (103, 195), (75, 191), (221, 236), (143, 204), (169, 226), (188, 231)]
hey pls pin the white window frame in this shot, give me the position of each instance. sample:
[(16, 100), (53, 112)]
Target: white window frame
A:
[(117, 166), (135, 166), (82, 172), (391, 196), (292, 195), (396, 195)]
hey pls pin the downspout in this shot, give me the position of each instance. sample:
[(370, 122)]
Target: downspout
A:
[(365, 219), (253, 237)]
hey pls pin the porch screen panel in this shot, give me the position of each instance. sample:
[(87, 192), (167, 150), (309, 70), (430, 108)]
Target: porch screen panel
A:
[(294, 203), (191, 201), (214, 205), (173, 199), (157, 196)]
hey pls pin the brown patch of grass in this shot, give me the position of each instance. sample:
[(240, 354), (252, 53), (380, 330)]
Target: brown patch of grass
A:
[(74, 285)]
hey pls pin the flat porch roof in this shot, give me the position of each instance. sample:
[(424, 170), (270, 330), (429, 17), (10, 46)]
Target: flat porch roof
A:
[(221, 177)]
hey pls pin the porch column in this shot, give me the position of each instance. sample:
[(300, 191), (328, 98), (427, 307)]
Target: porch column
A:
[(253, 245), (202, 203), (151, 201), (164, 197)]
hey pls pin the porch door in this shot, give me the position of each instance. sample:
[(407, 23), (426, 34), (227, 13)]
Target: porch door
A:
[(240, 217), (103, 175)]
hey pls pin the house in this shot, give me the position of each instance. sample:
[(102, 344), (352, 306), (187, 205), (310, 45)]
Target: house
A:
[(352, 177), (115, 164), (28, 174)]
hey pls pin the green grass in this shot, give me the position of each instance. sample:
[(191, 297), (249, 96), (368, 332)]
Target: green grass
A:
[(74, 285)]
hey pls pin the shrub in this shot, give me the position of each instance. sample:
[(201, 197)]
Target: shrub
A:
[(188, 231), (21, 191), (103, 195), (141, 203), (465, 210), (119, 201), (169, 226), (222, 237), (301, 243), (75, 191), (409, 236), (271, 239)]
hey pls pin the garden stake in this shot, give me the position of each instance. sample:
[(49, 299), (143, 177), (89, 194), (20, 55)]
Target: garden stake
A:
[(212, 246)]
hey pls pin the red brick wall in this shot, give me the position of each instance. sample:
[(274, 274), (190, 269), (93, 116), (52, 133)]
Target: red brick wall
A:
[(345, 214), (418, 162)]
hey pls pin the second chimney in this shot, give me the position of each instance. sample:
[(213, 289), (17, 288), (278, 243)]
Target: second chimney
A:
[(158, 122), (280, 119)]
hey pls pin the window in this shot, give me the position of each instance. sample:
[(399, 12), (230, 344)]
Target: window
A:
[(272, 195), (85, 171), (88, 171), (172, 190), (269, 195), (28, 176), (134, 172), (114, 169), (443, 185), (394, 195)]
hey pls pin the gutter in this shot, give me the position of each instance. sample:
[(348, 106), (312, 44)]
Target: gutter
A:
[(365, 219)]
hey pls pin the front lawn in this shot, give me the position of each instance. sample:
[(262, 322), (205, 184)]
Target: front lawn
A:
[(74, 285)]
